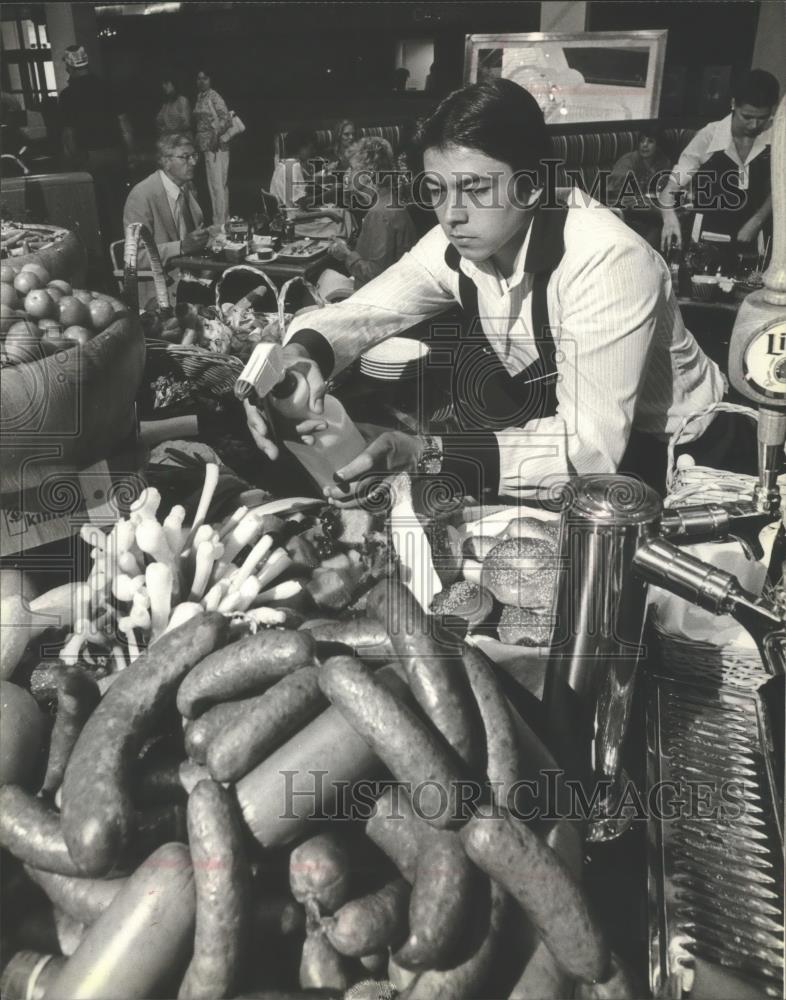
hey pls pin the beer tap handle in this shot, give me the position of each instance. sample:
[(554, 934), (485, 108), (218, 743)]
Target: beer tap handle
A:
[(715, 522)]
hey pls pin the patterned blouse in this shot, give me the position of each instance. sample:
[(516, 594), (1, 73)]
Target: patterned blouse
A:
[(211, 120)]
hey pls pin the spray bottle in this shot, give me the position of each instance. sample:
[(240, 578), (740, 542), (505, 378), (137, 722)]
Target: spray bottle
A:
[(286, 392)]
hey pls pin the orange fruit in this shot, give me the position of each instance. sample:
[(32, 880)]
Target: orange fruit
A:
[(79, 334), (64, 287), (7, 274), (82, 295), (26, 281), (55, 293), (101, 313), (72, 311), (21, 734), (35, 268), (8, 295), (39, 304)]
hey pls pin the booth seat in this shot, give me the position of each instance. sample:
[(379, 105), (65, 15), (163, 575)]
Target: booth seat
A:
[(327, 137)]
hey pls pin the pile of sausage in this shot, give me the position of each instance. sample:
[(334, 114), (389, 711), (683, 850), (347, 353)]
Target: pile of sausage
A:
[(196, 847)]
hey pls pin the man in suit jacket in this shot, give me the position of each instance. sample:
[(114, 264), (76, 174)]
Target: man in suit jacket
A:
[(165, 203)]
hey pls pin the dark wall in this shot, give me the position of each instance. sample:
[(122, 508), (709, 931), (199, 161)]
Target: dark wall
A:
[(709, 45)]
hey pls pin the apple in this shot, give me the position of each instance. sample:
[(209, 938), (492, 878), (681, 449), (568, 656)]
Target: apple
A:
[(7, 274), (72, 311), (35, 268), (50, 328), (40, 305), (23, 343), (79, 334), (9, 295), (54, 292), (82, 295), (101, 313), (64, 287), (26, 281), (8, 317)]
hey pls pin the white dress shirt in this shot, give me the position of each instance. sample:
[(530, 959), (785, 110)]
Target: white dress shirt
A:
[(173, 192), (717, 138), (624, 356)]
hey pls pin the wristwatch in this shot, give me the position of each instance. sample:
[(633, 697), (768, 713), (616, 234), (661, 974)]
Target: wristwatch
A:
[(431, 457)]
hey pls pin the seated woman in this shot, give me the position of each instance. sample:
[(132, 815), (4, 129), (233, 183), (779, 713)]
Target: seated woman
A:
[(387, 231), (294, 183), (635, 179)]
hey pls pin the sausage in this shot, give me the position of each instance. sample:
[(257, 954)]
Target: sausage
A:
[(159, 783), (370, 923), (298, 782), (440, 904), (199, 732), (141, 938), (77, 697), (321, 966), (222, 878), (543, 886), (264, 723), (396, 830), (366, 638), (433, 664), (191, 774), (467, 980), (31, 831), (319, 871), (502, 749), (277, 916), (397, 736), (246, 667), (69, 932), (97, 809), (84, 899)]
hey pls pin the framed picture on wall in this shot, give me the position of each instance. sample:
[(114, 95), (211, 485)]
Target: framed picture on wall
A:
[(587, 77)]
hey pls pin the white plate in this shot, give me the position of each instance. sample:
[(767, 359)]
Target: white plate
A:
[(256, 259), (396, 351), (390, 369)]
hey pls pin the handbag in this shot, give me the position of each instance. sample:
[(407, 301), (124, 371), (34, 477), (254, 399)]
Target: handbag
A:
[(236, 128)]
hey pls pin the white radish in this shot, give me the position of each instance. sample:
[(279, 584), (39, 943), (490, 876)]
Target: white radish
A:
[(159, 580), (281, 592), (117, 656), (145, 507), (286, 505), (206, 555), (174, 532), (72, 648), (274, 567), (240, 600), (208, 489), (215, 596), (124, 586), (128, 563), (182, 613), (252, 560), (151, 540), (93, 536), (267, 616), (246, 533), (231, 522)]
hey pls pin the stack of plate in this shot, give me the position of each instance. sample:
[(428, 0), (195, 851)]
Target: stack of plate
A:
[(395, 359)]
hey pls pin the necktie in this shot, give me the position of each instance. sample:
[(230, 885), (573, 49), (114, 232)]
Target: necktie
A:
[(185, 219)]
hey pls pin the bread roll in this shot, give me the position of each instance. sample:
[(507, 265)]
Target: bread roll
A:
[(525, 627), (533, 527), (464, 600), (521, 572)]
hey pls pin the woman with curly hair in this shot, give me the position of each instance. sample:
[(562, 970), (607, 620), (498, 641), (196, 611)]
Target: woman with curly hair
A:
[(387, 231), (346, 135)]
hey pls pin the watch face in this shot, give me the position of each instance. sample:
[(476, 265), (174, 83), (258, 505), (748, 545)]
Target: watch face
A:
[(764, 361)]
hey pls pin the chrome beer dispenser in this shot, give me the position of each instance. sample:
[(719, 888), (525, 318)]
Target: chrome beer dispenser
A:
[(601, 610)]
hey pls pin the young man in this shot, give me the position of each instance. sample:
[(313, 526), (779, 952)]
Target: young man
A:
[(729, 162), (575, 349)]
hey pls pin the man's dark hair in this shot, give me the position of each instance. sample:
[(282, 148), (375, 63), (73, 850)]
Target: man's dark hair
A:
[(758, 88), (300, 137), (650, 132), (497, 117)]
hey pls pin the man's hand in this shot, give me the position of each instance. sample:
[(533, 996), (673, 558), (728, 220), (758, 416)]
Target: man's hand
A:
[(388, 451), (672, 231), (338, 249), (193, 242), (749, 231), (295, 357)]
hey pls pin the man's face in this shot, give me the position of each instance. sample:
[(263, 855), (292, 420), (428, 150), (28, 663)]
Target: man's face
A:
[(181, 163), (475, 202), (750, 120)]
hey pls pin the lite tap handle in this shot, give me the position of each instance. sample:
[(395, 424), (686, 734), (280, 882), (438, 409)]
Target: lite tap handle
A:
[(714, 521)]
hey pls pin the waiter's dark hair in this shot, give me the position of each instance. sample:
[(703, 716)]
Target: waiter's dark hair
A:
[(497, 117), (758, 88)]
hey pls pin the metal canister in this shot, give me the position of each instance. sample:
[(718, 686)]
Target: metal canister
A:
[(597, 643)]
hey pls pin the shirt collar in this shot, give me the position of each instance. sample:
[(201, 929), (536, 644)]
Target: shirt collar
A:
[(722, 141), (541, 249), (172, 189)]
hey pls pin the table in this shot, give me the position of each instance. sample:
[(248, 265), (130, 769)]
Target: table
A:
[(279, 270)]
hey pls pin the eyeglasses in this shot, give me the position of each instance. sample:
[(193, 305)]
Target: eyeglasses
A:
[(186, 157)]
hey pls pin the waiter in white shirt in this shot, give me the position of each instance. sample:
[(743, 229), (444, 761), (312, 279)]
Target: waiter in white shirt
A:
[(165, 202), (728, 163), (573, 357)]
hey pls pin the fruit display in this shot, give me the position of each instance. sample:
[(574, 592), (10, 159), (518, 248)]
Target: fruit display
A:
[(58, 250), (260, 768), (71, 362)]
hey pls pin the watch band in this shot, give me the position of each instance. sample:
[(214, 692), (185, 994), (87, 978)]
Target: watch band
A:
[(431, 457)]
